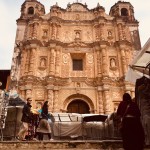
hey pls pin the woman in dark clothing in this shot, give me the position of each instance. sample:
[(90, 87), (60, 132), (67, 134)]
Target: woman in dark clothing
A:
[(44, 126), (132, 131)]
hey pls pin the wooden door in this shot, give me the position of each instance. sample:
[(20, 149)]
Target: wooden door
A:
[(78, 106)]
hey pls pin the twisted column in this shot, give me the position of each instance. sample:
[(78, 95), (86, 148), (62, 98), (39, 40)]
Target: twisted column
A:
[(50, 96), (104, 60)]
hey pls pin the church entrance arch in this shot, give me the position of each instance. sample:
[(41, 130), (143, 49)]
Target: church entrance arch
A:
[(78, 106)]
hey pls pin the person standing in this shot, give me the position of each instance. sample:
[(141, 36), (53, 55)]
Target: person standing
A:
[(44, 126), (132, 131), (26, 120)]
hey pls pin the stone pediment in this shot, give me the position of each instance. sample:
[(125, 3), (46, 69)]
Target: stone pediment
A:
[(77, 7)]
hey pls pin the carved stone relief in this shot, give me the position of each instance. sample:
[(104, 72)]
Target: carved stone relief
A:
[(65, 58), (116, 94), (67, 36), (90, 58), (41, 74), (39, 94)]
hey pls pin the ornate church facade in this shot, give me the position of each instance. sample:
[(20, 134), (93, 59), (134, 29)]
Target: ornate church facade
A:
[(76, 58)]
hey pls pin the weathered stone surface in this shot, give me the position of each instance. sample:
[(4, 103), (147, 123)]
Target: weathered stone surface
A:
[(48, 47)]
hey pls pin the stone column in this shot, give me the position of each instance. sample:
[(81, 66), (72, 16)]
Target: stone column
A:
[(123, 59), (30, 31), (101, 33), (22, 67), (99, 71), (58, 32), (53, 31), (35, 29), (120, 31), (27, 61), (57, 63), (104, 60), (107, 102), (52, 62), (32, 61), (96, 32), (100, 101), (50, 96), (55, 104)]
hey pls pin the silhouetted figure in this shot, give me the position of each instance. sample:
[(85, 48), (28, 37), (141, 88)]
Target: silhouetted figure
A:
[(132, 131), (26, 120), (44, 126)]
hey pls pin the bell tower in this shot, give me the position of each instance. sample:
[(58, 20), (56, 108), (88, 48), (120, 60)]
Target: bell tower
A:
[(124, 10), (32, 8)]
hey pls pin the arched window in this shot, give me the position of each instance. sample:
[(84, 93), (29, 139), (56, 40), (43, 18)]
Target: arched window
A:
[(30, 10), (124, 12)]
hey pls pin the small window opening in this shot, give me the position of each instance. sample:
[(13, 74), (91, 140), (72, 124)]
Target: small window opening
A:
[(77, 64), (30, 10), (124, 12)]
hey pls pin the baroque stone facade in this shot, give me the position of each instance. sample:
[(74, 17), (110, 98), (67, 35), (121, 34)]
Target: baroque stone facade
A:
[(76, 58)]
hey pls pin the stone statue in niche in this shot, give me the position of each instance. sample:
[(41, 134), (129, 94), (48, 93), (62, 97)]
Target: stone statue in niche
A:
[(77, 35), (109, 35), (45, 33), (112, 62), (43, 62), (77, 17)]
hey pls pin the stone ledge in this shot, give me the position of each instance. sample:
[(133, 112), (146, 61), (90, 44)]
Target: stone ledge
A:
[(45, 145), (61, 145)]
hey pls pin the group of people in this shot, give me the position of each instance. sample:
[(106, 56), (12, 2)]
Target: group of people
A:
[(41, 126), (131, 127)]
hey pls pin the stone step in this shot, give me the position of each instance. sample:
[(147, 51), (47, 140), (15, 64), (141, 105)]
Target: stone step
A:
[(62, 145)]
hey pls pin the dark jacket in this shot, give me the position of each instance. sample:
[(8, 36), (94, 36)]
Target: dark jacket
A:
[(26, 113)]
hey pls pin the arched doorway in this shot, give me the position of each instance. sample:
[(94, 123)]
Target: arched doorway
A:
[(78, 106)]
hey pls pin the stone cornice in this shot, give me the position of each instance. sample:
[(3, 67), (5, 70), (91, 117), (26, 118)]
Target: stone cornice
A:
[(124, 43)]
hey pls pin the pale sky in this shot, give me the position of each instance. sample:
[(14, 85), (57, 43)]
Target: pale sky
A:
[(10, 12)]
